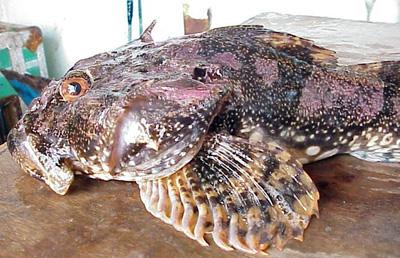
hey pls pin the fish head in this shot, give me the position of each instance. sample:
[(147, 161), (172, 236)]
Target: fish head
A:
[(138, 112)]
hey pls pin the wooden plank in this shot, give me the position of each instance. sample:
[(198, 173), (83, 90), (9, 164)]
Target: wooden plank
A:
[(359, 214)]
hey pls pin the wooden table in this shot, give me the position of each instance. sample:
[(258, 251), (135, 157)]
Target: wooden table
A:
[(359, 205)]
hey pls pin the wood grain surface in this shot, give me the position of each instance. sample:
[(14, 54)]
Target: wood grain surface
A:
[(359, 217)]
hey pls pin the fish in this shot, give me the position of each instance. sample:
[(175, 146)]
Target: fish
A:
[(214, 128)]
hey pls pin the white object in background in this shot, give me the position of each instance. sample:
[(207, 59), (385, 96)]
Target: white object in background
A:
[(227, 12), (386, 11), (169, 16)]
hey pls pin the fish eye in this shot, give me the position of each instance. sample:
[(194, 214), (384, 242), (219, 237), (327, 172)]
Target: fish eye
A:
[(74, 88), (74, 85)]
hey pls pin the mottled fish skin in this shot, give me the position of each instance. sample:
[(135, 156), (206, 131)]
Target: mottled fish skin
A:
[(312, 108), (214, 128)]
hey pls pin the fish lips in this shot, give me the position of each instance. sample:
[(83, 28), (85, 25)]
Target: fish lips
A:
[(163, 127), (23, 148)]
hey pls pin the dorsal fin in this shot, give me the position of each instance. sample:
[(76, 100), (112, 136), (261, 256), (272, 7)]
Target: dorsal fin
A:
[(387, 71), (303, 49), (146, 35), (240, 30), (291, 45)]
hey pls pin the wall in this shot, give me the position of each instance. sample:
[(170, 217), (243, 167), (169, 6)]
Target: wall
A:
[(75, 29)]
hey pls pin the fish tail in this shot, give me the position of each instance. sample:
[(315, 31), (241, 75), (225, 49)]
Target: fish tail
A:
[(380, 140)]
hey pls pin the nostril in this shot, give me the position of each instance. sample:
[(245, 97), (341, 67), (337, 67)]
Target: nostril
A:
[(199, 73), (206, 74)]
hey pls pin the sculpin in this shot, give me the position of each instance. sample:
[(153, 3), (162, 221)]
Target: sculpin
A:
[(213, 127)]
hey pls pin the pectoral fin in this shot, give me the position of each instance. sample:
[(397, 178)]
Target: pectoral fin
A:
[(248, 196)]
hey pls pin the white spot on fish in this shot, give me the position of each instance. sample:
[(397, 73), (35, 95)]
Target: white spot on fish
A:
[(387, 139), (313, 150), (105, 167), (354, 140), (300, 138), (94, 157), (105, 177), (373, 140), (107, 153), (355, 147), (284, 133), (96, 168)]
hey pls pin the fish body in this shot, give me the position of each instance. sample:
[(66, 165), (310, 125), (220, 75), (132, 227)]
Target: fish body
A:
[(214, 128), (306, 103)]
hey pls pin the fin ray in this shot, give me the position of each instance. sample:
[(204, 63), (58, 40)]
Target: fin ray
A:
[(301, 48), (248, 196), (289, 44)]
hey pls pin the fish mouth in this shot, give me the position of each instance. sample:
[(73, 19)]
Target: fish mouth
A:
[(37, 164), (20, 149), (163, 128)]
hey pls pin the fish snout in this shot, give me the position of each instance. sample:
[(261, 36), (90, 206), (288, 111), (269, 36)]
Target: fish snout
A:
[(38, 162)]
